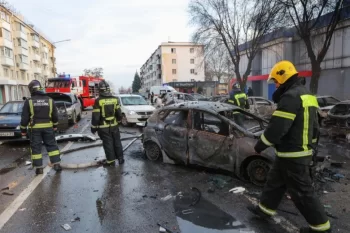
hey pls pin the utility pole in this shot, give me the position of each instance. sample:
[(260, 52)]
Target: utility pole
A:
[(53, 54)]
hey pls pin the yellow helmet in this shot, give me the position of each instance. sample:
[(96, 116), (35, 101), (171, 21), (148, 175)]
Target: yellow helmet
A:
[(282, 71)]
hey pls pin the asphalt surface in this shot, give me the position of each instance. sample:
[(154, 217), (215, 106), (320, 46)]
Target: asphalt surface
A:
[(140, 194)]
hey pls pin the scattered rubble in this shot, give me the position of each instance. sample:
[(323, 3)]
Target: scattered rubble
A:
[(28, 163), (237, 190), (76, 219), (8, 193), (66, 227)]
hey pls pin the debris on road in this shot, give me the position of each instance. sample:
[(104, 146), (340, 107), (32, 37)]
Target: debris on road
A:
[(6, 188), (66, 227), (166, 229), (28, 163), (198, 196), (211, 189), (8, 193), (219, 181), (337, 164), (23, 209), (168, 197), (189, 211), (77, 219), (237, 190), (327, 206)]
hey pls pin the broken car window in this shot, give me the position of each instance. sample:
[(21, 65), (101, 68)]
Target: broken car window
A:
[(177, 118), (330, 101), (206, 122), (246, 121)]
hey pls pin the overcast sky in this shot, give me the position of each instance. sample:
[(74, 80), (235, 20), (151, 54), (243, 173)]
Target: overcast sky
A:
[(117, 35)]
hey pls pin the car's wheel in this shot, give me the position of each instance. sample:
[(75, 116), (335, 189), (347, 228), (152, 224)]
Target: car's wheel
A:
[(153, 151), (79, 117), (257, 171), (74, 118), (125, 121)]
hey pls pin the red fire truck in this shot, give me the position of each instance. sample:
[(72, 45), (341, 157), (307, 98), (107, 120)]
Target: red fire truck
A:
[(86, 88)]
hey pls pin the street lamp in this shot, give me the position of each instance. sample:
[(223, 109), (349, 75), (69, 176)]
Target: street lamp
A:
[(53, 50)]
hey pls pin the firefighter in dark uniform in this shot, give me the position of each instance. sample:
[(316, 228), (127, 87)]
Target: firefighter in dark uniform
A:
[(240, 99), (291, 132), (40, 116), (105, 117)]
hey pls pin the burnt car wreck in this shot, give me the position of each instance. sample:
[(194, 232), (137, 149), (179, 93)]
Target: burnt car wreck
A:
[(337, 123), (209, 134)]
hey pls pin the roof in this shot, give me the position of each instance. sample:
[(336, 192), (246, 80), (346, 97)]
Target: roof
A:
[(204, 105), (170, 43)]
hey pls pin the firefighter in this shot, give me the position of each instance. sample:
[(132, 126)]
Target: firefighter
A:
[(40, 116), (238, 98), (291, 133), (105, 117)]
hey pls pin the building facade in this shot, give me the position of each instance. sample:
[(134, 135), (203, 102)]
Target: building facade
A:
[(173, 62), (285, 45), (25, 54)]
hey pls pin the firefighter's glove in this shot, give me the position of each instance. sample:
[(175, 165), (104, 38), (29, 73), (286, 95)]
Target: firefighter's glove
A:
[(259, 147)]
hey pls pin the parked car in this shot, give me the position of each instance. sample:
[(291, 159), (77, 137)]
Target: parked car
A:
[(177, 97), (338, 120), (71, 102), (326, 103), (10, 118), (134, 109), (216, 98), (205, 134), (199, 97), (258, 106)]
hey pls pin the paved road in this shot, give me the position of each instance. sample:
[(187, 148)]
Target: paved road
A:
[(128, 198)]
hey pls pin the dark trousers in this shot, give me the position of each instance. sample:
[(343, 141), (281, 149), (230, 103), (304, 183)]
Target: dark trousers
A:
[(239, 119), (111, 143), (46, 135), (293, 175)]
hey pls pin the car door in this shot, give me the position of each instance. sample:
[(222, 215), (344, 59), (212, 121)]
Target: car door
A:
[(62, 117), (209, 142), (172, 133)]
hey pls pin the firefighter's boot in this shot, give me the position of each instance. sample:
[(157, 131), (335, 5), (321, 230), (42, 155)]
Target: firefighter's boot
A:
[(112, 164), (121, 161), (257, 212), (57, 167), (39, 171), (309, 230)]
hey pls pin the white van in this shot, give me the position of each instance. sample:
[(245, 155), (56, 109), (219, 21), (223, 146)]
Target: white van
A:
[(159, 90)]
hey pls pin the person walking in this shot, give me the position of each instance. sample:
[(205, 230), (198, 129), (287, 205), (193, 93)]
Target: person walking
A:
[(40, 115), (106, 114), (291, 132)]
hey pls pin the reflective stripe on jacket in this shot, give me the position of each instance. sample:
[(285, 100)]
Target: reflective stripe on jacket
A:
[(106, 112)]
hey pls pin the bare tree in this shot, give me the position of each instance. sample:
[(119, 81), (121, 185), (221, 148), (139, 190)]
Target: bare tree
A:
[(96, 72), (312, 18), (216, 64), (238, 25)]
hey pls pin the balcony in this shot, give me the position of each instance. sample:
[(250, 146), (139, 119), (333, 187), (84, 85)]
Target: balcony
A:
[(23, 66), (36, 70), (20, 34), (21, 50), (6, 43), (36, 57), (34, 44), (45, 61), (5, 25), (6, 61)]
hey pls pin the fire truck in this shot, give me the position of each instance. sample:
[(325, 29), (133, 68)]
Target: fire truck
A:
[(85, 87)]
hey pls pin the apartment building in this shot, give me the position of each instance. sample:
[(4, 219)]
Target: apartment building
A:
[(25, 54), (173, 62)]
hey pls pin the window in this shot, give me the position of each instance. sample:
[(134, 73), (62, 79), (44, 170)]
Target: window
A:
[(5, 16), (191, 50), (331, 101), (173, 50), (23, 75), (174, 61), (192, 71), (174, 71), (23, 59), (192, 61), (203, 121), (20, 27), (17, 74), (262, 102), (6, 34), (6, 52), (22, 43), (35, 37), (27, 76), (177, 118), (6, 72), (11, 74)]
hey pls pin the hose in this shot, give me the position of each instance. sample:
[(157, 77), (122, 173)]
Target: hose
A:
[(94, 163)]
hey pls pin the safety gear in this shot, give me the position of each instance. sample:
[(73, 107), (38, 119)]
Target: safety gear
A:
[(39, 171), (111, 164), (236, 86), (103, 87), (257, 211), (57, 167), (282, 71), (121, 161), (291, 131), (309, 230), (239, 99), (105, 116), (34, 86)]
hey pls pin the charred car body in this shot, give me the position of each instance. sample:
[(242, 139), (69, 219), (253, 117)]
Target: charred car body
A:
[(338, 120), (205, 134)]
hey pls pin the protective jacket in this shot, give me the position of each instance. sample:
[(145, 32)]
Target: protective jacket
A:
[(239, 99), (39, 112), (294, 125), (106, 112)]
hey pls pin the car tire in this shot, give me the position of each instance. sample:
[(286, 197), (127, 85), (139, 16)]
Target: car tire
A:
[(257, 171), (74, 119), (153, 151), (124, 121), (79, 117)]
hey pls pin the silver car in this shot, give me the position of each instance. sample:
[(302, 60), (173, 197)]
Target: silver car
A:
[(71, 103)]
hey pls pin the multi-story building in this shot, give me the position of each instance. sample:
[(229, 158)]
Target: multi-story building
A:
[(25, 54), (173, 62), (284, 44)]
